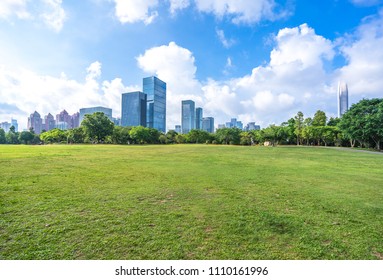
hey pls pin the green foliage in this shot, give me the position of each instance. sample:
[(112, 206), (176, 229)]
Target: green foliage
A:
[(3, 140), (54, 136), (363, 122), (97, 127), (197, 136), (298, 127), (229, 136), (75, 135), (26, 137), (12, 136), (121, 135), (319, 119)]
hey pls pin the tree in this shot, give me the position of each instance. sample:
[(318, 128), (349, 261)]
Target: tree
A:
[(171, 136), (55, 135), (363, 122), (121, 135), (26, 137), (319, 119), (229, 135), (75, 135), (197, 136), (333, 121), (298, 125), (97, 127), (140, 135), (3, 140)]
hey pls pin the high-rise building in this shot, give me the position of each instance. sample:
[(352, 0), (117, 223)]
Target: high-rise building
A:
[(234, 123), (188, 116), (5, 126), (15, 124), (63, 116), (198, 118), (208, 124), (49, 122), (252, 126), (35, 122), (92, 110), (133, 109), (155, 89), (220, 126), (177, 129), (75, 120), (342, 98)]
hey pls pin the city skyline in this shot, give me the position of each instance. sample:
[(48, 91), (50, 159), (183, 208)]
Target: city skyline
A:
[(259, 61)]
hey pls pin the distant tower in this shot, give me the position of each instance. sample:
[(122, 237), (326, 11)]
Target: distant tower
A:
[(342, 99), (155, 90), (188, 116), (133, 109)]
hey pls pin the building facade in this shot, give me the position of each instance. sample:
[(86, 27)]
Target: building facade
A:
[(208, 124), (35, 122), (198, 118), (234, 123), (188, 116), (133, 109), (155, 91), (342, 98), (177, 129), (5, 126), (252, 126), (49, 122), (92, 110)]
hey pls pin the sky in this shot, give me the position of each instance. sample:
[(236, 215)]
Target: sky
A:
[(255, 60)]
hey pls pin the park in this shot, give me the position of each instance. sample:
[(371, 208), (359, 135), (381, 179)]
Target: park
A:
[(189, 202)]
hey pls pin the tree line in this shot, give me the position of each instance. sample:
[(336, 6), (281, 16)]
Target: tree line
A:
[(360, 126)]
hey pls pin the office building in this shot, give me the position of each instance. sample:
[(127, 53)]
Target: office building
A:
[(342, 98), (133, 109), (49, 122), (234, 123), (155, 91), (35, 122), (92, 110), (15, 124), (5, 126), (188, 116), (252, 126), (208, 124), (75, 120), (220, 126), (177, 129), (63, 116), (198, 118)]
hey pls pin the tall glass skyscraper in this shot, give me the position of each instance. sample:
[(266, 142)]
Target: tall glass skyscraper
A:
[(208, 124), (133, 109), (342, 98), (198, 118), (155, 89), (188, 116)]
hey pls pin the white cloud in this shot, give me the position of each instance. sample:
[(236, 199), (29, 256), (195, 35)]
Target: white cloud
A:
[(364, 69), (28, 91), (14, 7), (54, 16), (227, 43), (136, 10), (241, 11), (50, 12), (178, 5)]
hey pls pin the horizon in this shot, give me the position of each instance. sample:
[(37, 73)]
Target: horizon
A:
[(257, 61)]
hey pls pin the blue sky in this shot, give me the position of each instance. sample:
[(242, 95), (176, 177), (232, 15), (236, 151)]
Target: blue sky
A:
[(256, 60)]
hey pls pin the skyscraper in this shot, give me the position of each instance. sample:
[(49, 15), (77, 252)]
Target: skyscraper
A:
[(188, 116), (35, 122), (91, 110), (342, 98), (49, 122), (198, 118), (15, 124), (155, 89), (133, 109), (208, 124)]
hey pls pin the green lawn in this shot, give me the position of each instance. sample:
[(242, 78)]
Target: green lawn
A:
[(189, 202)]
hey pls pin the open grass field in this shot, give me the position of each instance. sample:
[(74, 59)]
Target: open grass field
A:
[(189, 202)]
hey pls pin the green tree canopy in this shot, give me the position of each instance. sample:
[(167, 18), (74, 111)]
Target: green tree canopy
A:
[(97, 127)]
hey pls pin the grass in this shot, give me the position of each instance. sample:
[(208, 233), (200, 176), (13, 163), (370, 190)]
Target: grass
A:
[(189, 202)]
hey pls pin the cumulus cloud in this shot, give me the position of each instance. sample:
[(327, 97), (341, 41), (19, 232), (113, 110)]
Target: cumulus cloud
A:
[(366, 3), (364, 69), (14, 7), (48, 94), (136, 10), (176, 5), (54, 15), (241, 11), (50, 12)]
